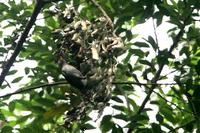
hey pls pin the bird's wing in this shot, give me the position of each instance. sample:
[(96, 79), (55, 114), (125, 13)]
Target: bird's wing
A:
[(72, 71)]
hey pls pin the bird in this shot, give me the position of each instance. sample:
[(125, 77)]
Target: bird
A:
[(72, 74)]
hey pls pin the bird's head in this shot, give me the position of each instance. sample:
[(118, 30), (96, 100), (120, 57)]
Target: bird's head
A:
[(61, 61), (59, 58)]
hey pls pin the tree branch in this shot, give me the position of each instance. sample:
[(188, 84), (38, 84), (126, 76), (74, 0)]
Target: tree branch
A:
[(167, 74), (8, 84), (138, 83), (156, 78), (23, 90), (169, 101), (103, 12), (22, 39), (38, 7), (157, 75), (173, 103), (155, 33)]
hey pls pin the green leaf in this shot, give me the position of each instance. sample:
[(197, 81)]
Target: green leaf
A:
[(168, 126), (3, 7), (121, 117), (23, 119), (189, 126), (137, 52), (2, 117), (50, 21), (3, 50), (145, 62), (87, 126), (117, 129), (140, 118), (153, 43), (197, 67), (141, 44), (25, 104), (133, 104), (184, 50), (33, 128), (163, 57), (168, 114), (159, 17), (147, 109), (38, 110), (130, 67), (120, 108), (56, 111), (106, 123), (126, 60), (12, 72), (45, 102), (117, 99), (17, 79), (144, 130), (129, 34), (27, 70), (6, 129), (156, 128), (7, 41), (159, 118), (11, 106)]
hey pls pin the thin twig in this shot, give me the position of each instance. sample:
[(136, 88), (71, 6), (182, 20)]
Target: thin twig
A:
[(167, 74), (23, 90), (172, 103), (169, 101), (146, 86), (103, 12), (155, 33), (138, 83), (127, 101), (8, 84)]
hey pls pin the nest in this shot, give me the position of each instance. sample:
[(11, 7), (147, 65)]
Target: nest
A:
[(91, 47)]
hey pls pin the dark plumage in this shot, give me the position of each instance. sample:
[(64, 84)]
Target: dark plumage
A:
[(72, 75)]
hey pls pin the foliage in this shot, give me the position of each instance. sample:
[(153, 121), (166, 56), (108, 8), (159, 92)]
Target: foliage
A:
[(46, 108)]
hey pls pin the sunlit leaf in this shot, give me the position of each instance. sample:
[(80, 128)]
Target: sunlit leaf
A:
[(55, 111)]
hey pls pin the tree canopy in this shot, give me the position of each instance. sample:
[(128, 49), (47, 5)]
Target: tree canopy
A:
[(128, 88)]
